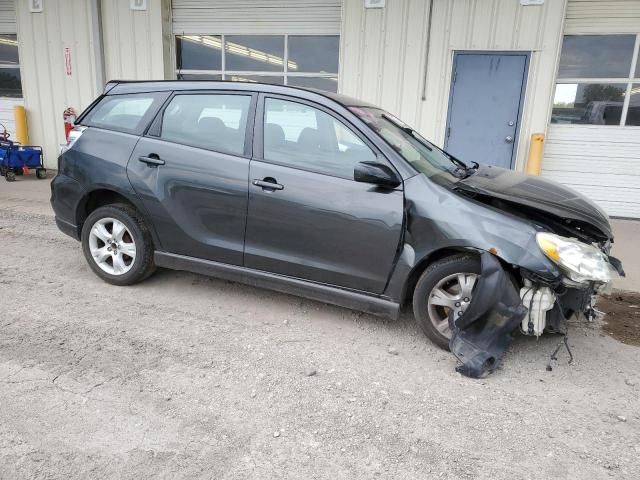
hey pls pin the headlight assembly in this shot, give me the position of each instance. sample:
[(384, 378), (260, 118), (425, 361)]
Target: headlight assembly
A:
[(580, 261)]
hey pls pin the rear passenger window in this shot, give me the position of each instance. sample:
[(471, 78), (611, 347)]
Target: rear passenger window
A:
[(213, 121), (125, 113), (305, 137)]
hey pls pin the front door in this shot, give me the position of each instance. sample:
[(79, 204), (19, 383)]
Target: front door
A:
[(191, 173), (485, 105), (307, 217)]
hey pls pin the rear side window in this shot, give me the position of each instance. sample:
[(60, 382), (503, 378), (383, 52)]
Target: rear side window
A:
[(213, 121), (125, 113)]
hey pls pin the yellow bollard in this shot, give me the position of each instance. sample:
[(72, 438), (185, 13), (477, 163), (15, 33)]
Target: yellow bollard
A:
[(20, 115), (534, 162)]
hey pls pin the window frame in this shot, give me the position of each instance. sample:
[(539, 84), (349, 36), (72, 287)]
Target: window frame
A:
[(630, 80), (258, 137), (285, 73), (155, 128)]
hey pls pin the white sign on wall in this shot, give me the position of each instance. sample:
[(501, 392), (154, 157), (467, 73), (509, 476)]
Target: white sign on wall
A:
[(35, 6), (138, 4), (374, 3), (531, 2)]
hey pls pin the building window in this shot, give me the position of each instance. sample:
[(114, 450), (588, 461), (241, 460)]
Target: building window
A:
[(10, 83), (298, 60), (598, 81)]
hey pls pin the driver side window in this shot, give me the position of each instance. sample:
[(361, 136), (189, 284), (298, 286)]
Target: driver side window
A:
[(304, 137)]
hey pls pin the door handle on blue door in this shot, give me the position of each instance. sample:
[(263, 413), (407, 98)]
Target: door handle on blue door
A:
[(153, 160), (268, 183)]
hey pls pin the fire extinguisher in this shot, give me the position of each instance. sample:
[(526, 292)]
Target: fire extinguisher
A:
[(69, 117)]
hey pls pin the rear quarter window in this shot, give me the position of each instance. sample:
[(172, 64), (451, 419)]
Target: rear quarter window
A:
[(129, 113)]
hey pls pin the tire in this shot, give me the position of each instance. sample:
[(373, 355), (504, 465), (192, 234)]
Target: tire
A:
[(447, 270), (10, 176), (131, 270), (41, 173)]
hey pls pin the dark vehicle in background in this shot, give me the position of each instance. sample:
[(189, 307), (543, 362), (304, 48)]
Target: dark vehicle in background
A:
[(326, 197)]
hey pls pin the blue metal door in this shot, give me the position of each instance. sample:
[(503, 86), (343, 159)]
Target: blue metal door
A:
[(484, 106)]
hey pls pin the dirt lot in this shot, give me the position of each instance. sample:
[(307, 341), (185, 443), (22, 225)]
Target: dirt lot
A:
[(189, 377)]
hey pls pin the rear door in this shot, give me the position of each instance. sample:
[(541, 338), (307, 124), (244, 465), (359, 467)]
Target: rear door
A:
[(191, 172), (307, 217)]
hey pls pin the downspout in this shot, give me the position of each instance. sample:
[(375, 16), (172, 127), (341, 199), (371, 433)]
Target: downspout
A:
[(426, 56), (97, 39)]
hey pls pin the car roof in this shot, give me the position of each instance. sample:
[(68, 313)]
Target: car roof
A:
[(117, 87)]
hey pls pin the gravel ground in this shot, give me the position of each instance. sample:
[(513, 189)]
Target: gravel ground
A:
[(189, 377)]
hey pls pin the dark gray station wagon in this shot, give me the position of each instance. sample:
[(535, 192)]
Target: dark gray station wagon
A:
[(326, 197)]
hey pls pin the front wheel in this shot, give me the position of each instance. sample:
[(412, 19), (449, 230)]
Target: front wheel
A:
[(117, 245), (446, 287)]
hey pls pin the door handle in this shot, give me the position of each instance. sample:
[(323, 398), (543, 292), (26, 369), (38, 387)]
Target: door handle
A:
[(152, 160), (268, 184)]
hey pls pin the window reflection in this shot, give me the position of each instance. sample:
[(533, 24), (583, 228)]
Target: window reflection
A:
[(633, 114), (312, 60), (9, 50), (596, 56), (321, 83), (588, 103), (199, 76), (256, 78), (254, 53), (315, 53), (10, 84), (199, 52)]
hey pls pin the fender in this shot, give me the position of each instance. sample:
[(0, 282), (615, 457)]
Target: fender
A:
[(433, 232)]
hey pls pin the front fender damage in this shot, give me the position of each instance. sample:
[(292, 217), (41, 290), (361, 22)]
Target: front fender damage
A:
[(482, 334)]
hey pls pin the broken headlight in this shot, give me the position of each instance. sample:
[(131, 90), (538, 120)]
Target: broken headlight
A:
[(580, 261)]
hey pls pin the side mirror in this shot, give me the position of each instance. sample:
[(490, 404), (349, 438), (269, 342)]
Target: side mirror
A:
[(376, 173)]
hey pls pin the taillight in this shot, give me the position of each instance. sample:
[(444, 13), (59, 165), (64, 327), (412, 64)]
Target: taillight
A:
[(74, 135)]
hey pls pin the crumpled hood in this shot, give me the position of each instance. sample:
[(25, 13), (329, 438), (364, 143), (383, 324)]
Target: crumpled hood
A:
[(536, 192)]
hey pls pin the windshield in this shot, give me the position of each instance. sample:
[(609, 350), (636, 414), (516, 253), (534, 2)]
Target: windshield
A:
[(420, 153)]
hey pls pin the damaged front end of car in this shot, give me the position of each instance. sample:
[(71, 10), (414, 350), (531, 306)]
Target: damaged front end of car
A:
[(503, 302)]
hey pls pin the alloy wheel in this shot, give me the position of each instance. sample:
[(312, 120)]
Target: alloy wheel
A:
[(112, 246), (452, 293)]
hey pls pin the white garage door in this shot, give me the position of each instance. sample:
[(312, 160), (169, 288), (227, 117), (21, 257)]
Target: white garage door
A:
[(250, 17), (593, 142)]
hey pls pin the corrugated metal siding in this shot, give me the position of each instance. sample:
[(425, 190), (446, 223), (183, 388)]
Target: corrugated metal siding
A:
[(47, 89), (603, 162), (603, 16), (7, 16), (6, 114), (383, 54), (133, 43), (257, 16)]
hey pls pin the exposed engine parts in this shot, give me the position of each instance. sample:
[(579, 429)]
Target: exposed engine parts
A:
[(483, 333), (538, 300)]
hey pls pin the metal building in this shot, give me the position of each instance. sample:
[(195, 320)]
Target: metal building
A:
[(476, 76)]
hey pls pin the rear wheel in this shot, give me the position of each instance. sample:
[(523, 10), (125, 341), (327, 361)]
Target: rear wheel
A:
[(10, 176), (117, 245), (41, 173), (445, 287)]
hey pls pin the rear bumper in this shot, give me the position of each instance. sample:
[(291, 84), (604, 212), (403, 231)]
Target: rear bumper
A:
[(66, 194), (69, 228)]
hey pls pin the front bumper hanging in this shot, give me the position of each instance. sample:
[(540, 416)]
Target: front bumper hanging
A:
[(482, 335)]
